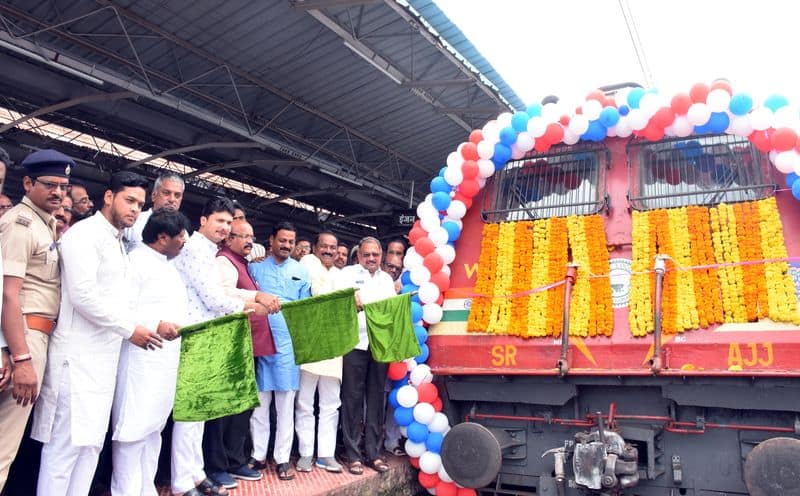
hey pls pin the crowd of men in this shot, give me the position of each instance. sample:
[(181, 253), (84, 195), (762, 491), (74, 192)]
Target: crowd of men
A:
[(92, 307)]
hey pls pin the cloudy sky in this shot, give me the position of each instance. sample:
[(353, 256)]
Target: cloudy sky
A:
[(569, 47)]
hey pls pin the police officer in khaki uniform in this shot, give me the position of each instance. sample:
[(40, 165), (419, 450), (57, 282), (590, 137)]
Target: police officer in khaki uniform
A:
[(31, 290)]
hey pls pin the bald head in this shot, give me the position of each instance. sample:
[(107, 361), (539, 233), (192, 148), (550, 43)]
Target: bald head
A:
[(240, 240)]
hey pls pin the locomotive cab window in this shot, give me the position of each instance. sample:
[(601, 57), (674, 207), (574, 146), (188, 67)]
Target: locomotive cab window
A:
[(705, 170), (563, 181)]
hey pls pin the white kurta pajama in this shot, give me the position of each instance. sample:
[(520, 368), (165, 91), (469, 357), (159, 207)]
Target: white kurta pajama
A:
[(207, 300), (324, 376), (72, 412), (146, 379)]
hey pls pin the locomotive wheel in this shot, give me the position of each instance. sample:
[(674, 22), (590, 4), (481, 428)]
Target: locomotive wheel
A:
[(773, 468)]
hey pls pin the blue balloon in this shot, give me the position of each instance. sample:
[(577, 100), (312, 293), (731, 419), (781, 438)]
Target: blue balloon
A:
[(422, 334), (596, 132), (508, 136), (441, 200), (741, 104), (417, 432), (434, 442), (415, 299), (416, 312), (534, 110), (403, 416), (774, 102), (501, 154), (609, 116), (423, 355), (691, 149), (519, 121), (704, 129), (401, 382), (634, 97), (441, 171), (796, 190), (623, 110), (718, 122), (439, 185), (393, 398), (453, 231), (409, 288), (790, 179), (405, 277)]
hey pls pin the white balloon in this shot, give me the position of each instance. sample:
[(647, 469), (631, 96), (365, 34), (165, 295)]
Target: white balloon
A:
[(570, 138), (551, 112), (430, 222), (649, 104), (439, 423), (454, 160), (718, 100), (611, 132), (681, 126), (415, 449), (698, 114), (412, 259), (485, 149), (516, 153), (491, 133), (591, 109), (428, 292), (637, 119), (407, 396), (432, 491), (425, 207), (485, 168), (537, 126), (419, 275), (481, 182), (421, 374), (432, 313), (621, 97), (623, 128), (504, 119), (424, 412), (525, 142), (446, 270), (457, 209), (438, 235), (787, 161), (578, 124), (443, 475), (430, 462), (411, 364), (447, 252), (772, 154), (786, 117), (453, 175), (761, 118), (740, 125)]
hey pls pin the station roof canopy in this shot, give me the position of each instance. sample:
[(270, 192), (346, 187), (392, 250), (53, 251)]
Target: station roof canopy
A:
[(335, 110)]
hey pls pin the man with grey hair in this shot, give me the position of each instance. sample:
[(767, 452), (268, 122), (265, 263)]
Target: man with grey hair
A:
[(167, 193)]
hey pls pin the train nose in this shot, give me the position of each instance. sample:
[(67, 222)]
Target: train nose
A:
[(473, 454)]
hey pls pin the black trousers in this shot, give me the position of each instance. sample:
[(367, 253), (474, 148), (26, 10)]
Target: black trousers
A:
[(362, 378), (225, 442)]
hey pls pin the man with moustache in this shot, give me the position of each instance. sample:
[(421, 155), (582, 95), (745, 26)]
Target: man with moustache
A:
[(342, 253), (82, 205), (167, 193), (322, 377), (277, 374), (225, 438), (73, 410), (207, 300), (146, 379), (31, 290), (63, 215)]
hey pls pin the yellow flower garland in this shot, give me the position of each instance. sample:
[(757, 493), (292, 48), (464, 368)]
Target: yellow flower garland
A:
[(687, 315), (523, 270), (481, 307), (540, 271), (500, 316), (782, 301), (640, 300)]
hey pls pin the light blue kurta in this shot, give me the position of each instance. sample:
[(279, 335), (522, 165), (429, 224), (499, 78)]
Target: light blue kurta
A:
[(289, 281)]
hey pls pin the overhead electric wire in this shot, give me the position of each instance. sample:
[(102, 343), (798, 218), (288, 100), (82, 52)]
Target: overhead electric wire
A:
[(636, 41)]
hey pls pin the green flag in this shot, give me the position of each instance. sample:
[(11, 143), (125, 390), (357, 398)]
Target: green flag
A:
[(322, 327), (216, 375), (390, 330)]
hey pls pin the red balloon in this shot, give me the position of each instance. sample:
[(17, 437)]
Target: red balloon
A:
[(541, 144), (680, 103), (415, 234), (578, 110), (466, 491), (428, 392), (597, 95), (699, 92), (469, 169), (762, 140), (469, 151), (653, 132), (673, 175), (446, 489), (783, 139), (723, 85), (469, 187), (424, 246), (437, 405), (554, 133), (414, 461), (463, 199), (610, 102), (476, 136), (564, 120), (428, 480), (433, 262), (397, 370), (663, 117), (441, 280)]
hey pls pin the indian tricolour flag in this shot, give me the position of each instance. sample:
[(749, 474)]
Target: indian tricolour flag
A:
[(454, 316)]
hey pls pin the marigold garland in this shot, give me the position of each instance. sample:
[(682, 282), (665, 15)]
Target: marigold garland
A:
[(782, 301), (641, 299), (748, 234), (659, 221), (558, 257), (707, 291), (523, 270), (540, 273), (686, 304), (500, 316), (484, 281), (580, 305), (726, 250)]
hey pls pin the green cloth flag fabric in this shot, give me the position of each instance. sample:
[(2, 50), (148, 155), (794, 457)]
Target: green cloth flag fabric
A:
[(216, 375), (322, 327), (390, 330)]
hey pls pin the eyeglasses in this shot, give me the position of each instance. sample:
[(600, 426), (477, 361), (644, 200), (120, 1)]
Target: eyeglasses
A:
[(243, 236), (52, 186), (6, 207)]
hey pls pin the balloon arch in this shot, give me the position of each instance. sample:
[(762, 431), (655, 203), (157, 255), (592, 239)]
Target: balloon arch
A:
[(772, 127)]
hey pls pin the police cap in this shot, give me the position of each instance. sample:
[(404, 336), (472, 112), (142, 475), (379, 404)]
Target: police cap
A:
[(48, 163)]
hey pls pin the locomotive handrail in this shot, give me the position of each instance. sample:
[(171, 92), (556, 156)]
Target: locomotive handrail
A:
[(569, 280)]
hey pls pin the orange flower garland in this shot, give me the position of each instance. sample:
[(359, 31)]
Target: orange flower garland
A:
[(686, 304), (557, 269), (782, 301), (748, 233), (580, 305), (602, 317), (659, 220), (707, 290), (481, 307)]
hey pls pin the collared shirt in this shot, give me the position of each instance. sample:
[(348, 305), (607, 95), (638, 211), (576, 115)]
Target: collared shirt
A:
[(207, 297), (371, 287), (28, 242), (133, 235)]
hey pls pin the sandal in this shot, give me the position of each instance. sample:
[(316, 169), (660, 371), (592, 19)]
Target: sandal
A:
[(379, 465), (208, 488), (356, 468), (284, 471)]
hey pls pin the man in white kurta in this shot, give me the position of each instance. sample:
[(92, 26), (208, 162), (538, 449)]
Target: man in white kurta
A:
[(146, 379), (72, 413), (324, 377)]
